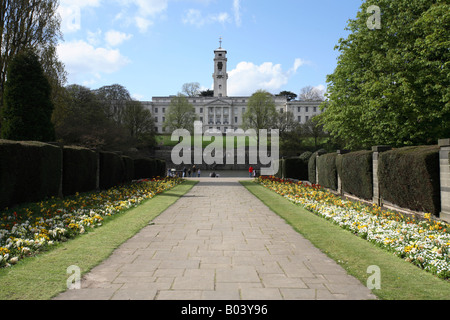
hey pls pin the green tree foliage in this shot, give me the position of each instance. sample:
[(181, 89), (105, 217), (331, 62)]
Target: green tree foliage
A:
[(27, 107), (140, 123), (392, 85), (261, 112), (31, 24), (180, 114)]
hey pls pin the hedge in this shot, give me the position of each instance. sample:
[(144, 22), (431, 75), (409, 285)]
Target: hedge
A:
[(326, 165), (79, 170), (146, 168), (297, 167), (128, 169), (409, 178), (112, 170), (29, 172), (355, 170), (312, 166)]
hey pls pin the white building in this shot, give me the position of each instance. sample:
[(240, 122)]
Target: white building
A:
[(223, 112)]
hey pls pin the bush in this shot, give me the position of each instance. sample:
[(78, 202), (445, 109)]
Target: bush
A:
[(280, 173), (79, 170), (128, 169), (409, 178), (29, 172), (112, 170), (297, 167), (356, 173), (145, 168), (326, 165), (312, 166)]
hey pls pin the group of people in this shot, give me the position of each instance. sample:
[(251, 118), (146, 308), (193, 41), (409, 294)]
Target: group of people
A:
[(191, 172)]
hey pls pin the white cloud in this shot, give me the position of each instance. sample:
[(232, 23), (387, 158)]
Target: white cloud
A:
[(83, 60), (237, 12), (144, 12), (70, 12), (115, 38), (195, 17), (247, 77)]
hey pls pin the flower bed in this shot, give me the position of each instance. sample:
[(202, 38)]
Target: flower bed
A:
[(32, 228), (425, 243)]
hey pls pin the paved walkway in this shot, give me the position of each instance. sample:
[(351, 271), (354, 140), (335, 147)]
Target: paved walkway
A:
[(218, 242)]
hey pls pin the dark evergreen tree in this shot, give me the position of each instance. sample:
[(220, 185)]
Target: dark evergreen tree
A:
[(27, 101)]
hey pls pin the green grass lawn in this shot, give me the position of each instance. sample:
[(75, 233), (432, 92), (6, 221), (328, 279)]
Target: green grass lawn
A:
[(44, 276), (400, 280)]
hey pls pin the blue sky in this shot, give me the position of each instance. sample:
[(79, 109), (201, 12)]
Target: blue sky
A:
[(153, 47)]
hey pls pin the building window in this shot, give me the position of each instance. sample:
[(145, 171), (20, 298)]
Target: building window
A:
[(235, 119), (201, 110), (307, 109), (156, 129), (299, 109), (201, 119), (307, 118), (164, 119), (315, 109), (164, 110), (281, 110), (156, 119), (299, 118), (156, 110)]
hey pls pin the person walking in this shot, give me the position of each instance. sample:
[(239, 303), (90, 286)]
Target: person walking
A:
[(250, 171), (199, 172)]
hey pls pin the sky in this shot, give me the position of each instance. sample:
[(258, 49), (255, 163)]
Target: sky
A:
[(153, 47)]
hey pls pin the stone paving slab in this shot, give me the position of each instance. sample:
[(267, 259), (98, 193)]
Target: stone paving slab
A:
[(218, 242)]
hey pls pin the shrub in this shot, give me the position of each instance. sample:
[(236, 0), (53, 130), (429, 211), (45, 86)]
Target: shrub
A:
[(297, 167), (29, 172), (145, 168), (280, 172), (312, 166), (79, 170), (356, 173), (326, 165), (409, 178), (112, 170), (128, 169)]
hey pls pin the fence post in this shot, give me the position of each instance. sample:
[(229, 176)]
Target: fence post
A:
[(376, 186), (340, 190), (444, 164)]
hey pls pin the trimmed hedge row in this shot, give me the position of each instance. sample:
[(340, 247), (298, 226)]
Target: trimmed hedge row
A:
[(326, 165), (34, 171), (79, 170), (355, 170), (409, 178), (29, 172), (149, 168)]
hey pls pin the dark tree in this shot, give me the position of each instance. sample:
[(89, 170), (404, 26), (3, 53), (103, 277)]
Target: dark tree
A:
[(27, 101)]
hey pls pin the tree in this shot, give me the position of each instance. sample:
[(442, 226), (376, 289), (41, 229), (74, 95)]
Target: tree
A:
[(288, 94), (310, 93), (180, 114), (139, 122), (285, 122), (261, 112), (312, 128), (207, 93), (114, 99), (28, 107), (30, 24), (191, 89), (391, 85)]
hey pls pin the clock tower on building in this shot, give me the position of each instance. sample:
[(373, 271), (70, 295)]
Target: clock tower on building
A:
[(220, 72)]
